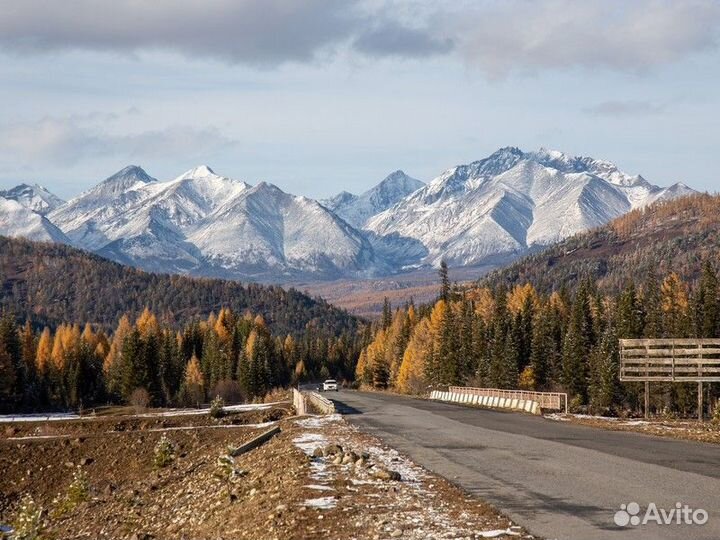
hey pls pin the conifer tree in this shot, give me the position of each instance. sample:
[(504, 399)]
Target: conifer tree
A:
[(578, 344), (605, 367), (444, 282), (630, 316), (651, 304), (707, 309), (7, 379)]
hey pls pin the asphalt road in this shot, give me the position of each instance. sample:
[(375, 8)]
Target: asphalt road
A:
[(556, 479)]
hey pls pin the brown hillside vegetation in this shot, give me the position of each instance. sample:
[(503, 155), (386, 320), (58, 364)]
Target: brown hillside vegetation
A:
[(50, 284), (668, 236)]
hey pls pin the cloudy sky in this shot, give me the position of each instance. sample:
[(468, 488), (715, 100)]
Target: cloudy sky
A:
[(323, 95)]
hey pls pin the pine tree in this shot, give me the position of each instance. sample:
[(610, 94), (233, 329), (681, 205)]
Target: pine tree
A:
[(579, 342), (10, 343), (30, 385), (707, 311), (7, 380), (444, 282), (387, 314), (652, 307), (630, 316), (449, 349), (605, 367), (544, 353)]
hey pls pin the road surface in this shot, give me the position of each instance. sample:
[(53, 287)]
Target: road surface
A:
[(559, 480)]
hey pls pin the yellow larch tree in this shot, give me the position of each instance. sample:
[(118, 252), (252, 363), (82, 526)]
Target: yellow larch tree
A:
[(44, 351)]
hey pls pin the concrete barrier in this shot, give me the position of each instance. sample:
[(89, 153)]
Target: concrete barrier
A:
[(494, 402), (319, 403)]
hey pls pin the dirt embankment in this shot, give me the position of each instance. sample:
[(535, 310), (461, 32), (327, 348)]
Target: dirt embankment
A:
[(318, 478)]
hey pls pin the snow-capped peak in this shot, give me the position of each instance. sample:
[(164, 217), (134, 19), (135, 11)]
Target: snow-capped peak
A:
[(357, 209), (201, 171), (36, 197)]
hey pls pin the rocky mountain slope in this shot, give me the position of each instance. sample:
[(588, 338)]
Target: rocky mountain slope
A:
[(35, 197), (488, 212), (502, 206), (16, 220), (358, 209)]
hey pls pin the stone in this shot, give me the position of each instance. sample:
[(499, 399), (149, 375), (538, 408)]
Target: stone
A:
[(386, 474), (86, 461), (318, 452), (332, 449), (396, 533)]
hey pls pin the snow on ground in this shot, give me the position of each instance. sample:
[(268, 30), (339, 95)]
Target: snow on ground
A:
[(418, 503), (499, 532), (52, 417), (229, 408), (324, 503)]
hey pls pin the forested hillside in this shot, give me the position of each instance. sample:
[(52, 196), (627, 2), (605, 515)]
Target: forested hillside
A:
[(565, 340), (50, 284), (671, 236), (145, 362)]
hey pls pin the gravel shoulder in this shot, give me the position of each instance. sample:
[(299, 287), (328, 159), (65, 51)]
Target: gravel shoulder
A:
[(291, 487)]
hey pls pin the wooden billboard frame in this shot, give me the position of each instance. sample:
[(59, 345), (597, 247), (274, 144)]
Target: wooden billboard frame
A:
[(670, 360)]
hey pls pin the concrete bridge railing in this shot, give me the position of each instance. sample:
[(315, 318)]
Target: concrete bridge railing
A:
[(487, 400)]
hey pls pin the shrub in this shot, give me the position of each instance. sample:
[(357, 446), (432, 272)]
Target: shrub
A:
[(229, 390), (164, 453), (277, 394), (140, 399), (216, 407), (576, 405), (716, 415), (79, 488), (78, 491), (28, 521)]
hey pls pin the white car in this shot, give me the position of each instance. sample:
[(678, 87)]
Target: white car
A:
[(330, 384)]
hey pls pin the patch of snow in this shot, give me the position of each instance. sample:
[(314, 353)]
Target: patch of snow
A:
[(323, 503), (190, 412), (52, 417), (319, 487), (315, 422), (498, 532)]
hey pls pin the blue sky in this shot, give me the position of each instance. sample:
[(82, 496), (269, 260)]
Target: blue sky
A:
[(318, 96)]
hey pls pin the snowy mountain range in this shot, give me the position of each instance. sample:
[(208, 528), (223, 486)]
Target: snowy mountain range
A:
[(501, 206), (487, 212), (358, 209)]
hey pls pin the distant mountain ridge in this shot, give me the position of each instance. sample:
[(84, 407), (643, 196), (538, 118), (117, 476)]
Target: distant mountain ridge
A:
[(490, 211)]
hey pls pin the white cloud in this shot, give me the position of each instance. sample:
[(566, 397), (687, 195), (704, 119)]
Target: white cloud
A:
[(67, 141), (622, 109), (254, 32), (530, 36)]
